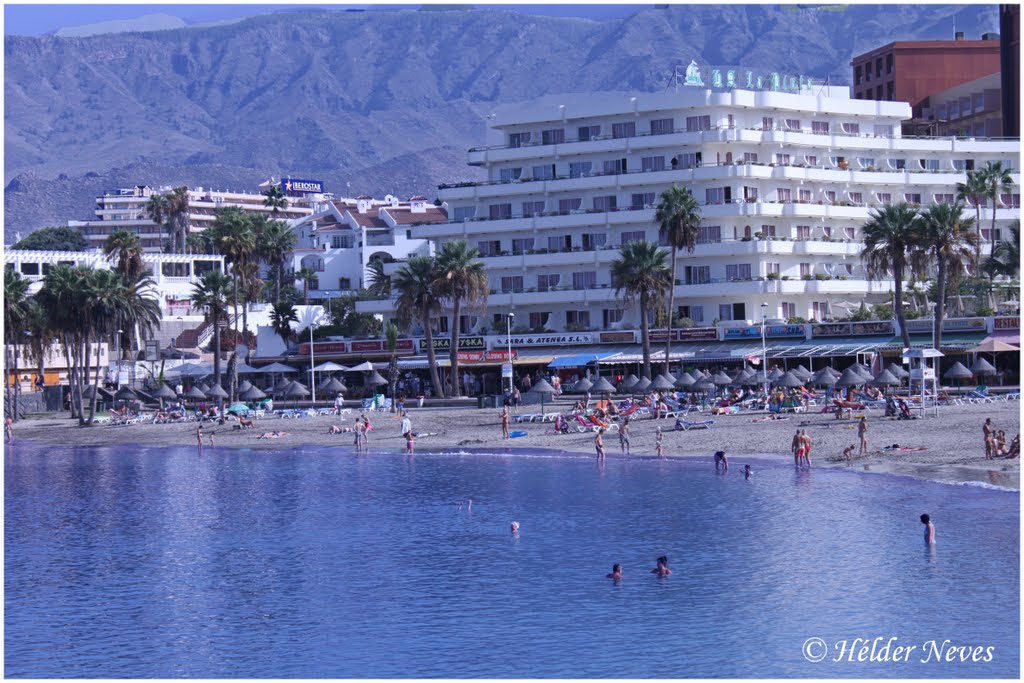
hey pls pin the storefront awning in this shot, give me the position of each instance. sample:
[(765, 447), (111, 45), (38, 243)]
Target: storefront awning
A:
[(953, 341), (579, 360)]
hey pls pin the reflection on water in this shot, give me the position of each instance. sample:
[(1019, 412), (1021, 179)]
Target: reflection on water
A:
[(138, 562)]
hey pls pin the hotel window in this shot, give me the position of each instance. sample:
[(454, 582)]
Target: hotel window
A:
[(803, 232), (584, 280), (850, 232), (573, 204), (533, 208), (717, 195), (805, 269), (770, 268), (555, 136), (865, 162), (988, 236), (847, 268), (579, 318), (545, 172), (709, 234), (694, 313), (560, 243), (510, 174), (782, 158), (1010, 200), (512, 283), (944, 198), (610, 316), (30, 269), (851, 128), (605, 203), (811, 159), (489, 247), (588, 132), (912, 197), (689, 159), (888, 63), (546, 282), (341, 242), (783, 194), (788, 310), (749, 194), (767, 123), (856, 198), (978, 102), (539, 320), (594, 240), (632, 236), (819, 127), (884, 197), (732, 311), (521, 246), (697, 275), (804, 196), (883, 130), (929, 164), (820, 310), (579, 168), (344, 283), (662, 126), (737, 271), (498, 211), (826, 232), (856, 75), (793, 124), (615, 166), (641, 201), (768, 230), (696, 123), (653, 163), (518, 139), (897, 164), (750, 157), (959, 164), (624, 130)]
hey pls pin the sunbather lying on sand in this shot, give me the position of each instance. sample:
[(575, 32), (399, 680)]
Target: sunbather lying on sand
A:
[(272, 435)]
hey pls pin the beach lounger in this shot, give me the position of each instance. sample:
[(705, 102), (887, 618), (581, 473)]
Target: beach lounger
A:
[(687, 425)]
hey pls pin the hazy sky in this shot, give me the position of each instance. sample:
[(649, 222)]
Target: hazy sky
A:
[(36, 19)]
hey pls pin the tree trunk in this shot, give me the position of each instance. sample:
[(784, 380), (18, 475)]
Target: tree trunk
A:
[(7, 382), (671, 310), (428, 334), (233, 366), (278, 267), (977, 246), (216, 357), (17, 383), (940, 301), (992, 236), (96, 391), (645, 333), (897, 274), (453, 353)]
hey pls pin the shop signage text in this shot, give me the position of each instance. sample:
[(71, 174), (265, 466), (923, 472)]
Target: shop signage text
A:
[(618, 337), (754, 331), (853, 329), (445, 343), (323, 347), (1007, 323)]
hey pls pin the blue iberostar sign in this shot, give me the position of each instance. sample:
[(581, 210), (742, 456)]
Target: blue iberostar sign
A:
[(304, 186)]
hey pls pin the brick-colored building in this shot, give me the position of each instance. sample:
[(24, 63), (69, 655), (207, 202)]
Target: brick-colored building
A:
[(910, 71)]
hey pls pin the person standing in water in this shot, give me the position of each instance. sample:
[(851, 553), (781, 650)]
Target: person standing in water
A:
[(794, 448), (747, 471), (862, 432), (662, 568), (357, 429), (616, 574), (659, 440), (721, 460), (599, 445), (199, 438), (806, 440), (929, 530), (624, 437), (504, 423)]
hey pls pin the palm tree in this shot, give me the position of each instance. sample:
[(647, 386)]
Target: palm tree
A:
[(641, 274), (201, 242), (418, 301), (281, 318), (15, 313), (378, 283), (104, 307), (274, 243), (678, 216), (997, 179), (460, 278), (140, 310), (973, 192), (275, 199), (177, 212), (213, 292), (236, 241), (62, 297), (159, 211), (944, 240), (126, 247), (391, 343), (41, 335), (889, 238), (307, 275), (1005, 259)]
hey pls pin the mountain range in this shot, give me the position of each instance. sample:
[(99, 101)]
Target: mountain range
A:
[(376, 103)]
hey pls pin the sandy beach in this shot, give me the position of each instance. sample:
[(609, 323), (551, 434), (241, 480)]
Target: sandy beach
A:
[(952, 442)]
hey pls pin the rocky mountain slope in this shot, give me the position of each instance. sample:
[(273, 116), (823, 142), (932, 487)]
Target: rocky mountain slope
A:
[(371, 102)]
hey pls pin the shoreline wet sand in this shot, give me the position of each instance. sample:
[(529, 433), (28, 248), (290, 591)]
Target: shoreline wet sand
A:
[(952, 442)]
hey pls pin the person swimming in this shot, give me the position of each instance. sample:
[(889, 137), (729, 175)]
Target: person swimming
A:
[(515, 528), (616, 572), (747, 471), (662, 568)]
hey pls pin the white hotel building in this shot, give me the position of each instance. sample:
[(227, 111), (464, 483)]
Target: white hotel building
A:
[(785, 181)]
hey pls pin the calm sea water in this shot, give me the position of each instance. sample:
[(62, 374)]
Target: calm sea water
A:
[(154, 562)]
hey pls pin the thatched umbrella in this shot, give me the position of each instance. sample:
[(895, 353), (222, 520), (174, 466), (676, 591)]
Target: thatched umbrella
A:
[(982, 367), (282, 386), (203, 387), (824, 378), (671, 378), (542, 387), (850, 378), (375, 379), (741, 377), (958, 373), (685, 381), (865, 373), (243, 386), (582, 387), (216, 391), (802, 372), (756, 379), (195, 394), (897, 370), (164, 392), (126, 394), (252, 394), (885, 379), (788, 380), (296, 390), (721, 379), (774, 374), (661, 383), (641, 385), (629, 381), (603, 386), (333, 385)]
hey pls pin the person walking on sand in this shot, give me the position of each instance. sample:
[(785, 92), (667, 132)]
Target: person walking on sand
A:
[(599, 445), (616, 574), (406, 428), (624, 437), (989, 430), (862, 432), (929, 530), (659, 441), (504, 423), (8, 432)]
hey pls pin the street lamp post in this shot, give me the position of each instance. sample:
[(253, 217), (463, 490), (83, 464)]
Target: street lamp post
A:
[(312, 378), (508, 331), (118, 345), (764, 348)]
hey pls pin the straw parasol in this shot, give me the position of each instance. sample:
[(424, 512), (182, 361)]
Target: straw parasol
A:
[(641, 385), (296, 390), (583, 386), (243, 386), (542, 387), (774, 374), (958, 371), (685, 381), (788, 380), (982, 368), (885, 379), (850, 378), (602, 386), (661, 383), (629, 381), (756, 379), (164, 392), (721, 379), (375, 380), (824, 378), (333, 385), (216, 391), (897, 370), (282, 386), (252, 394), (802, 372), (126, 394), (741, 377), (195, 393)]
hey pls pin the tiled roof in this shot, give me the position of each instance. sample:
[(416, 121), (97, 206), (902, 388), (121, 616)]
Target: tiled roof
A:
[(403, 216), (368, 219)]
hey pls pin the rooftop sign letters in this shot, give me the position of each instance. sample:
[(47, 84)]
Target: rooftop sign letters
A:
[(1007, 323), (302, 186), (731, 78)]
